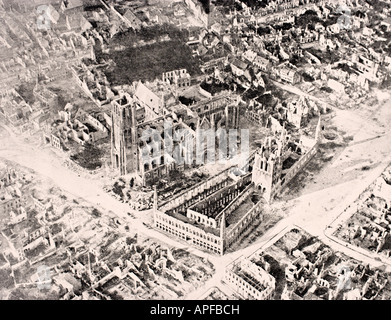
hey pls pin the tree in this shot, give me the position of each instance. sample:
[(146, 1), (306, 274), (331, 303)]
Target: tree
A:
[(89, 158)]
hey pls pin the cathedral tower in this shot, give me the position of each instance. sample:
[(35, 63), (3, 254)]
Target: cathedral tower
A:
[(124, 155)]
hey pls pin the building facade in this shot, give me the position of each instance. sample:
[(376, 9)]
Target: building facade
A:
[(250, 280), (152, 146)]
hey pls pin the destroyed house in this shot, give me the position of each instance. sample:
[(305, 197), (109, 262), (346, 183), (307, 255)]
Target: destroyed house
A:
[(249, 280)]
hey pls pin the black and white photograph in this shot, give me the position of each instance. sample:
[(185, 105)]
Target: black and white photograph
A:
[(208, 151)]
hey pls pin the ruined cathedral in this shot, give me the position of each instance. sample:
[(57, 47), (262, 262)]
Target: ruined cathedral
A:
[(149, 124)]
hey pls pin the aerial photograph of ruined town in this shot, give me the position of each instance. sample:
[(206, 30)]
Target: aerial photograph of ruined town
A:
[(195, 150)]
